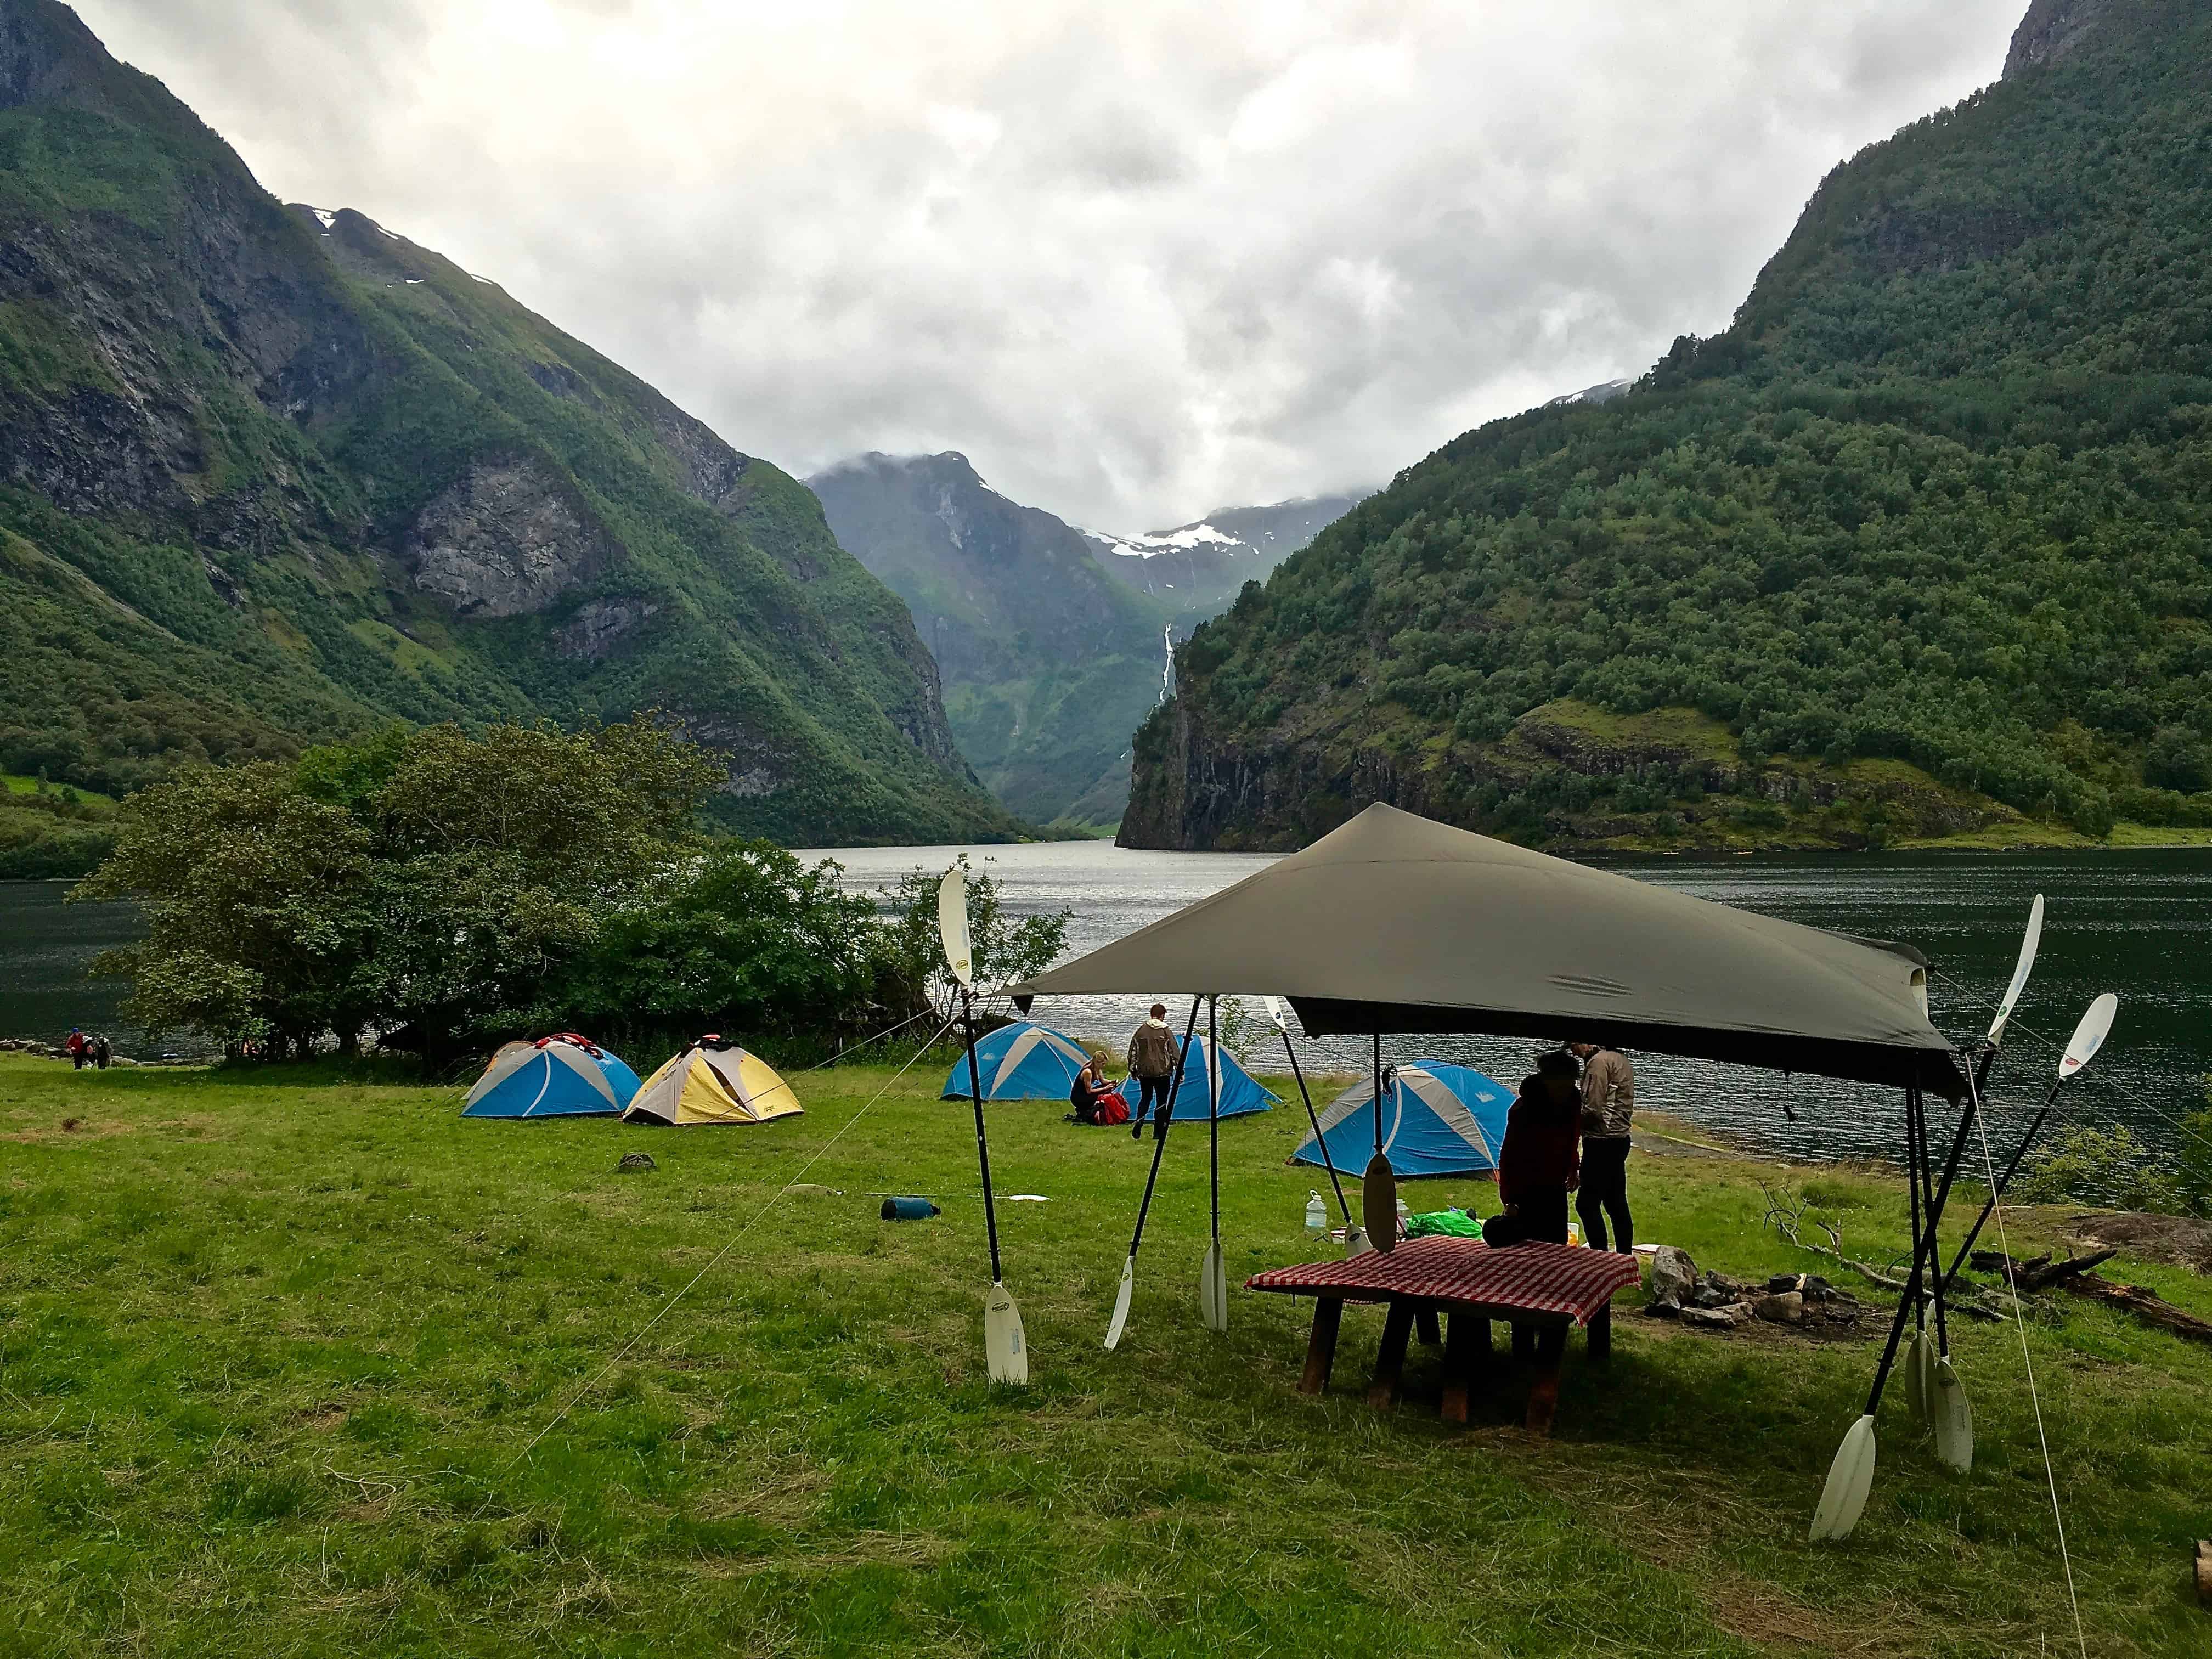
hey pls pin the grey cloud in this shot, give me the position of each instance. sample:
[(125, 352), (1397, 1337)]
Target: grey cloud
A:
[(1137, 260)]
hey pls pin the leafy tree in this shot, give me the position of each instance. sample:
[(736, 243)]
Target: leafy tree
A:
[(1008, 948), (742, 938), (2108, 1167)]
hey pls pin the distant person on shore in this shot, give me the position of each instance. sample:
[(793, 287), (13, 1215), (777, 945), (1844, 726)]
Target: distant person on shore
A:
[(1537, 1164), (1152, 1062), (79, 1050), (1608, 1105)]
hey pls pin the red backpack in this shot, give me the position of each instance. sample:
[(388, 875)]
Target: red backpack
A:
[(1110, 1108)]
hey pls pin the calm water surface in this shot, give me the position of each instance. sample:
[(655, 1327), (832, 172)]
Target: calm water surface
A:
[(2138, 923)]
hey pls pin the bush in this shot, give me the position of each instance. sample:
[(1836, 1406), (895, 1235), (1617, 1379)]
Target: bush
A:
[(2109, 1168)]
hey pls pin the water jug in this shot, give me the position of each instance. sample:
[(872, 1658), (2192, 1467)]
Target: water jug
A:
[(1316, 1214)]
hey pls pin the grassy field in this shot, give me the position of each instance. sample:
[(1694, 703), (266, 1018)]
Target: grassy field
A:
[(272, 1348)]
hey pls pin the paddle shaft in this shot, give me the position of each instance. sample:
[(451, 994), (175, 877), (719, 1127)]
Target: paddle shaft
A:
[(1212, 1110), (1922, 1252), (982, 1141), (1378, 1094), (1327, 1163), (1166, 1124), (2004, 1184), (1915, 1149)]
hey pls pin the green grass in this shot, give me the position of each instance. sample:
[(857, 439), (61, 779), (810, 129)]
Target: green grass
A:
[(272, 1348)]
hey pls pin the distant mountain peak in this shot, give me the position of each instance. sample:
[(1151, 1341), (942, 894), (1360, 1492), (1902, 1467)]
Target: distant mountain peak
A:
[(1604, 392)]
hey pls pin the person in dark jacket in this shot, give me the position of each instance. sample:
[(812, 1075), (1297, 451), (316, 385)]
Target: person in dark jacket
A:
[(1540, 1161), (1083, 1095)]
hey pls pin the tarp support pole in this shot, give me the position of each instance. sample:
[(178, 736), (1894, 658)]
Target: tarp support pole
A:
[(1212, 1108), (1312, 1117)]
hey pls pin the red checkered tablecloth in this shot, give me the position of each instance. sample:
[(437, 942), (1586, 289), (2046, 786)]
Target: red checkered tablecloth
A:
[(1545, 1279)]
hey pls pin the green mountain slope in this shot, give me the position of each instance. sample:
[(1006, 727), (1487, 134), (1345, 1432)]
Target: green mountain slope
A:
[(269, 475), (1050, 664), (1922, 545)]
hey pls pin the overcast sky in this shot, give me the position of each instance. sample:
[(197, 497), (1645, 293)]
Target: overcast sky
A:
[(1136, 260)]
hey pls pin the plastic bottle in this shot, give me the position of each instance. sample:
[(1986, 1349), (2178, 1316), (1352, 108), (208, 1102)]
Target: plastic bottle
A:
[(1316, 1212), (1574, 1232), (1404, 1216)]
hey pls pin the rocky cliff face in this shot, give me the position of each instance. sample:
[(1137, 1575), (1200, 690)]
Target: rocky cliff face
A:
[(332, 479), (2053, 30)]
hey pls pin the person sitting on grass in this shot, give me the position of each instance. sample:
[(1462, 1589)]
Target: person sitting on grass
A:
[(1539, 1163), (1090, 1083)]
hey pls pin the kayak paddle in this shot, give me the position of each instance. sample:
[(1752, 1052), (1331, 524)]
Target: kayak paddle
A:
[(1953, 1413), (1120, 1320), (1006, 1347), (1378, 1187), (1212, 1273)]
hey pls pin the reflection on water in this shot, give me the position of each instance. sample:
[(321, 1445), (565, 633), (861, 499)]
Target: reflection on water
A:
[(2137, 923)]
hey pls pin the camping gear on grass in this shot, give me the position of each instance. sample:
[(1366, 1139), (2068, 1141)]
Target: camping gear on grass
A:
[(1020, 1062), (712, 1081), (1438, 1119), (910, 1209), (560, 1076)]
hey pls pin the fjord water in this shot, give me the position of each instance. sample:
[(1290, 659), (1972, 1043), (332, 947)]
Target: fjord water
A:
[(2137, 923)]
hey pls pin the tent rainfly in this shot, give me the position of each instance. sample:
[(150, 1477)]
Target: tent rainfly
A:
[(560, 1076), (1241, 1092), (1020, 1062), (1438, 1118), (1397, 923), (712, 1081)]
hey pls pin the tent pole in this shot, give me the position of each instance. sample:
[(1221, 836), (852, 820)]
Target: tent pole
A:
[(1327, 1163), (1922, 1260)]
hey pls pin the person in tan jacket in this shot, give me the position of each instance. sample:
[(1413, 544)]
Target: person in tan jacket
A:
[(1608, 1105)]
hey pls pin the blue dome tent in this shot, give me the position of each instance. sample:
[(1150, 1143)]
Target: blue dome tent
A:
[(1438, 1119), (560, 1076), (1020, 1062), (1240, 1093)]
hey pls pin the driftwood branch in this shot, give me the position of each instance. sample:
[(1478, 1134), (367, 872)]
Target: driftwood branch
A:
[(2042, 1273), (1785, 1213), (2144, 1303)]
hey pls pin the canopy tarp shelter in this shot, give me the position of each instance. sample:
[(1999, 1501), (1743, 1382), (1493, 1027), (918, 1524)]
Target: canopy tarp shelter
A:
[(1394, 923), (560, 1076), (1438, 1119), (1020, 1062), (712, 1081)]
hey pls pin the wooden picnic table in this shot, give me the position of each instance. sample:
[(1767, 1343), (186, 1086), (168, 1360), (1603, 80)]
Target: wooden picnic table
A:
[(1542, 1290)]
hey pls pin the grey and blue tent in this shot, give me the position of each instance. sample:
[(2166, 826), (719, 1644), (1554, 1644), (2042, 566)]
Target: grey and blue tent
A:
[(1240, 1091), (561, 1076), (1438, 1118), (1020, 1062)]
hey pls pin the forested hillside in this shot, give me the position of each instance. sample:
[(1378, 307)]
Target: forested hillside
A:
[(1049, 663), (1917, 545), (271, 475)]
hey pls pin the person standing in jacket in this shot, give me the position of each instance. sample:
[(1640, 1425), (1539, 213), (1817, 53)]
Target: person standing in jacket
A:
[(1537, 1164), (78, 1049), (1608, 1105), (1152, 1062)]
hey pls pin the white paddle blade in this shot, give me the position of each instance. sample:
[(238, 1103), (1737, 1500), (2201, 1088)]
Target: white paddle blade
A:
[(1378, 1203), (1213, 1290), (1275, 1013), (1005, 1349), (2089, 1035), (1356, 1242), (1120, 1322), (952, 925), (2029, 943), (1850, 1477), (1954, 1420)]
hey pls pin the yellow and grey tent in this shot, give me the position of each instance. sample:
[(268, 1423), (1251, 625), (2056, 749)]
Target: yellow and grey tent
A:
[(712, 1081)]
